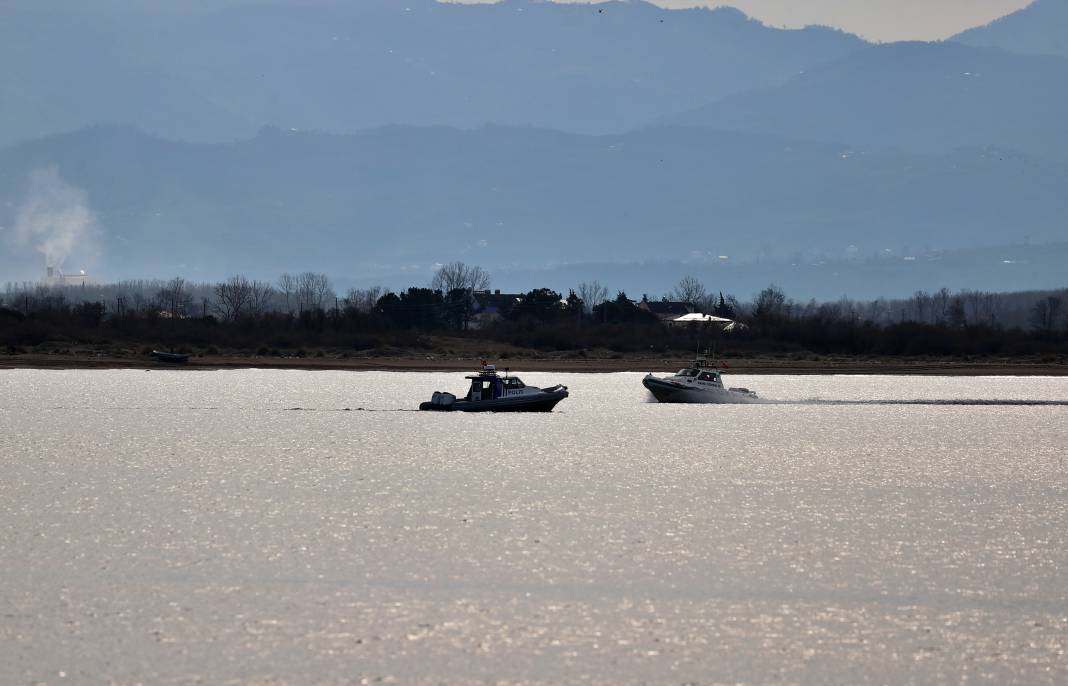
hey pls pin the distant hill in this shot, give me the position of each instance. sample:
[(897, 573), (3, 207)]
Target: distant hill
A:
[(398, 199), (922, 97), (219, 71), (1002, 268), (1040, 28)]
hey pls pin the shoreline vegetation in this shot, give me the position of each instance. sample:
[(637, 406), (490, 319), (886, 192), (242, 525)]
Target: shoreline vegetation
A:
[(458, 321), (536, 361)]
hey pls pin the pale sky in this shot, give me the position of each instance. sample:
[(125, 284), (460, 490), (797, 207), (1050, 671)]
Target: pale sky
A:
[(880, 20)]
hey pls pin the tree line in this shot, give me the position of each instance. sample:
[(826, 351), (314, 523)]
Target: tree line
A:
[(305, 310)]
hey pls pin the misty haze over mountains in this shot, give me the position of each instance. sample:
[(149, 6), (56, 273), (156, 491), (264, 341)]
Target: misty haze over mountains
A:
[(1039, 29), (254, 138), (922, 97), (215, 75)]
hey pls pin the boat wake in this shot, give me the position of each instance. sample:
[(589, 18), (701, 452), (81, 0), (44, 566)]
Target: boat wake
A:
[(349, 409), (976, 402), (215, 409)]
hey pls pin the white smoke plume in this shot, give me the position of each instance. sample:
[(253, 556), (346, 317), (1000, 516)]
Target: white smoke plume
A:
[(55, 218)]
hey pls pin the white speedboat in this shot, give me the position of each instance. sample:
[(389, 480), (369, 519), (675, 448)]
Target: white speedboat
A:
[(491, 392), (701, 382)]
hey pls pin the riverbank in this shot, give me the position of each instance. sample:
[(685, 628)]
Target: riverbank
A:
[(554, 362)]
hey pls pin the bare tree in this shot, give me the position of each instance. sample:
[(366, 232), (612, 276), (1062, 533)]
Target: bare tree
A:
[(363, 299), (323, 290), (260, 294), (312, 290), (993, 308), (690, 291), (981, 307), (1045, 312), (138, 301), (848, 310), (591, 295), (958, 316), (174, 298), (233, 298), (731, 307), (454, 275), (878, 311), (770, 303), (941, 301), (287, 286), (921, 306)]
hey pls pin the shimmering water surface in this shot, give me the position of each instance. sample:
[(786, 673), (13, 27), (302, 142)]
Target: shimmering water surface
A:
[(179, 527)]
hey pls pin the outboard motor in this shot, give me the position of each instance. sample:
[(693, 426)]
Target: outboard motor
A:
[(439, 401), (443, 399)]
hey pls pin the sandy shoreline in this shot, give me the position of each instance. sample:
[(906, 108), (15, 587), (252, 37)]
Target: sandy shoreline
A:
[(630, 363)]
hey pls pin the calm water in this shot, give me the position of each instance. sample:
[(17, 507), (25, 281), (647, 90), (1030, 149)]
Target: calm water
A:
[(170, 527)]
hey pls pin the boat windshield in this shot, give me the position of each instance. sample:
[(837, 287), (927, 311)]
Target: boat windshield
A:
[(688, 372)]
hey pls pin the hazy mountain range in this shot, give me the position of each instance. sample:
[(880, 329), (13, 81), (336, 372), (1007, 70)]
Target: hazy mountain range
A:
[(251, 139), (216, 72), (1040, 28), (389, 199), (924, 97)]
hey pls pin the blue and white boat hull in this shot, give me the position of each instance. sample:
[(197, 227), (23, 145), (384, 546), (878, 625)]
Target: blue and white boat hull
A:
[(670, 391)]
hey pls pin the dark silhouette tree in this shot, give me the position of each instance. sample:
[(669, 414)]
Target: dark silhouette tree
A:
[(454, 275), (592, 295), (1045, 313), (724, 309), (460, 307), (622, 310), (541, 304), (769, 305), (419, 308), (174, 298)]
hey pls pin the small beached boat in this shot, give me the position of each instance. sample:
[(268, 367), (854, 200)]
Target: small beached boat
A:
[(491, 392), (172, 358), (701, 382)]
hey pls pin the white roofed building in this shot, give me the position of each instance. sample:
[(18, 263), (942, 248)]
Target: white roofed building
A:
[(699, 318)]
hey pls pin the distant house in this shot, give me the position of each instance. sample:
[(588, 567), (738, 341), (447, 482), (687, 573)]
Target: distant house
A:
[(665, 310), (491, 306), (705, 320), (683, 314)]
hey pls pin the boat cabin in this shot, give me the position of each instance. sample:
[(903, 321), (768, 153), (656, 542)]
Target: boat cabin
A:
[(487, 385), (701, 377)]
